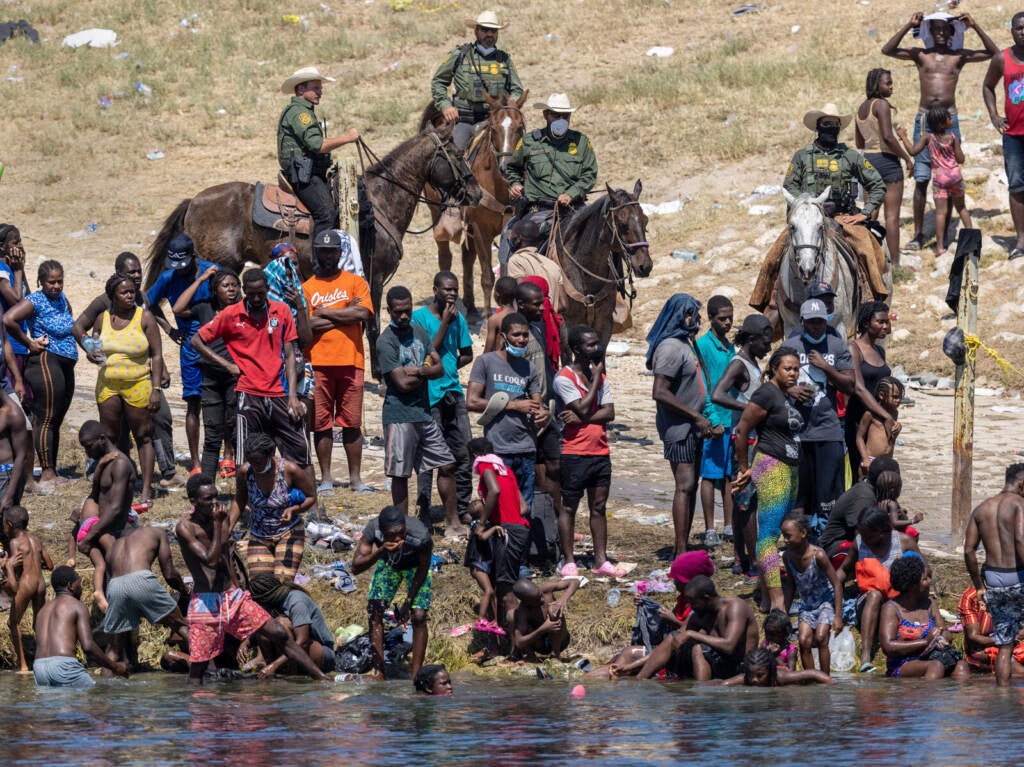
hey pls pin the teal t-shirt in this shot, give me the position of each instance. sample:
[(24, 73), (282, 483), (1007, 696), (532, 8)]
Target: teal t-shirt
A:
[(456, 338), (717, 357)]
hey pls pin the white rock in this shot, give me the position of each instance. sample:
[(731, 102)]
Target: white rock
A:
[(726, 290), (924, 355), (900, 334), (761, 210)]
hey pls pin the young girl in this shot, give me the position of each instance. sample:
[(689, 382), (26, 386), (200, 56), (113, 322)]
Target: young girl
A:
[(433, 679), (914, 637), (872, 438), (479, 559), (777, 633), (947, 180), (505, 298), (818, 587), (760, 670)]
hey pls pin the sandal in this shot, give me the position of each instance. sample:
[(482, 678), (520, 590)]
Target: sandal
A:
[(608, 569), (866, 668), (227, 468)]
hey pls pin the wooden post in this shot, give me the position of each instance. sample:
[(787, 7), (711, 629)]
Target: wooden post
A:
[(963, 411)]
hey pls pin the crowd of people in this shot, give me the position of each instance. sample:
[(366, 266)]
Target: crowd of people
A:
[(272, 363)]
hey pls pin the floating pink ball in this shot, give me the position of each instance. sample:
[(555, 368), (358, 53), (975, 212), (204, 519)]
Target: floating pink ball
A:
[(578, 691)]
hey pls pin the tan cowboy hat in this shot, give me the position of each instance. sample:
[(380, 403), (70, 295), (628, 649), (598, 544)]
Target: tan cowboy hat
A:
[(303, 75), (487, 19), (829, 110), (557, 102)]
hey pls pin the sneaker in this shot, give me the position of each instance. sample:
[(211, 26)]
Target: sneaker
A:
[(712, 539), (727, 533)]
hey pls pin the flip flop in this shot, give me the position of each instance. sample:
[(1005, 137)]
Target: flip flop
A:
[(364, 489), (569, 571), (1015, 253), (465, 628), (867, 668), (325, 488), (608, 569)]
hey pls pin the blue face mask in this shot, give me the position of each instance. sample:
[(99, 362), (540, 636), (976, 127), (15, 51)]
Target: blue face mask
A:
[(515, 351), (811, 339), (831, 317), (559, 127), (485, 51)]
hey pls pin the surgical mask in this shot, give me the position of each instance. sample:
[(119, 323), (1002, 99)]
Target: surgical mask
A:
[(830, 317), (559, 127), (515, 351), (811, 339), (485, 51), (828, 137)]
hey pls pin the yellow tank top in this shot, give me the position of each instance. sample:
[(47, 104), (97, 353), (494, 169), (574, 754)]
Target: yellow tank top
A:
[(127, 350)]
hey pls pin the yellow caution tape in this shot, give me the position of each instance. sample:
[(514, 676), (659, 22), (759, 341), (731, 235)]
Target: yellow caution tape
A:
[(973, 343)]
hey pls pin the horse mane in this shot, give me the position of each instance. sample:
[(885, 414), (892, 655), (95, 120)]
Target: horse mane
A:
[(431, 117), (399, 160), (581, 230), (173, 225)]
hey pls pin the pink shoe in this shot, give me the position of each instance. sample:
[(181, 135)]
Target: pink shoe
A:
[(609, 569), (496, 629), (569, 571)]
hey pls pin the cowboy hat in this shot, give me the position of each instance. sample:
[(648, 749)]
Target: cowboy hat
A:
[(303, 75), (829, 110), (487, 20), (557, 102)]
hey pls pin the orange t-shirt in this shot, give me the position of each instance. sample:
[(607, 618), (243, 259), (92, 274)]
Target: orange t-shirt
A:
[(344, 345)]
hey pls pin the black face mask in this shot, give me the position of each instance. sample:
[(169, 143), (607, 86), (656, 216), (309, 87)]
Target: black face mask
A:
[(597, 355), (828, 137)]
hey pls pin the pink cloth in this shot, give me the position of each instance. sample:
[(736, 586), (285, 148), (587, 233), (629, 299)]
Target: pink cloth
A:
[(690, 564), (496, 463), (85, 527)]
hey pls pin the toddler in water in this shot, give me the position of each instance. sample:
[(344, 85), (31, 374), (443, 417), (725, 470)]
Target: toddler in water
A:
[(819, 589), (761, 670), (777, 633), (947, 180), (872, 438)]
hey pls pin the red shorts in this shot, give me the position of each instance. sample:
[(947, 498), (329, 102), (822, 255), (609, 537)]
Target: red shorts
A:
[(211, 615), (338, 400)]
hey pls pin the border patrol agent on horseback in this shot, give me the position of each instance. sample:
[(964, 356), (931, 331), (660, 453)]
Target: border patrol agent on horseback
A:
[(551, 166), (476, 70), (303, 152)]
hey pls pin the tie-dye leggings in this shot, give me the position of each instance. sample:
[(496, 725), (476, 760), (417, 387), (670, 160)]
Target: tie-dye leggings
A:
[(776, 485)]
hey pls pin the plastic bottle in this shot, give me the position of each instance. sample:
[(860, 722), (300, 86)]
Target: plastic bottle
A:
[(144, 89), (613, 597)]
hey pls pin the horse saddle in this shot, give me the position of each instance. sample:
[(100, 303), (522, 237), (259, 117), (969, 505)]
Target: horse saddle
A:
[(275, 206)]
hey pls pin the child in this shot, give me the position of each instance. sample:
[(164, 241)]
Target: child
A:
[(24, 566), (505, 298), (914, 637), (539, 620), (760, 670), (433, 680), (872, 438), (818, 587), (479, 559), (777, 633), (947, 180)]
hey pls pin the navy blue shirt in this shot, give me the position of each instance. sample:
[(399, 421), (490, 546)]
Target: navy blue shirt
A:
[(170, 285)]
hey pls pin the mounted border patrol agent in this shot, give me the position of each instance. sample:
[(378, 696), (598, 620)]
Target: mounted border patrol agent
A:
[(475, 70)]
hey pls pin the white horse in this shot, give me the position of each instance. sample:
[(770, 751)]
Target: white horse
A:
[(816, 252)]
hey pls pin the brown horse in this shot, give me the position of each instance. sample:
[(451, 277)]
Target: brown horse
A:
[(599, 249), (489, 153), (219, 219)]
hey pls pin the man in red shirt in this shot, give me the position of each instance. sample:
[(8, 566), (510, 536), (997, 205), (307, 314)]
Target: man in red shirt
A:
[(258, 334)]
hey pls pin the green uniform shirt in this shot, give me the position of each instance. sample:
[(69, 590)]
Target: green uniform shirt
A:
[(298, 131), (813, 169), (548, 167), (475, 75)]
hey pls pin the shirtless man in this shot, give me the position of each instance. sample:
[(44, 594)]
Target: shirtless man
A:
[(134, 592), (718, 633), (938, 69), (218, 605), (60, 625), (539, 620), (110, 499), (998, 524), (13, 468), (23, 567)]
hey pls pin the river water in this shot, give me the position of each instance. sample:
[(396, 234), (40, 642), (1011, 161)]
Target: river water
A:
[(155, 719)]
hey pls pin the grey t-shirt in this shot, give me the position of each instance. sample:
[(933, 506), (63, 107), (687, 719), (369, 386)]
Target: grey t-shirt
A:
[(821, 421), (510, 432), (675, 360), (405, 350), (303, 611), (417, 540)]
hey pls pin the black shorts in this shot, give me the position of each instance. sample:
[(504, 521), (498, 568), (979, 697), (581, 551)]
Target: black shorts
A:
[(887, 165), (549, 444), (722, 666), (509, 551), (269, 415), (582, 472)]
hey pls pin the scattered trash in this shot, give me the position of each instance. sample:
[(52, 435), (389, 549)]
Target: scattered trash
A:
[(92, 227), (189, 21), (121, 55), (221, 112), (664, 208), (617, 348), (760, 210), (154, 154), (745, 9), (391, 67), (872, 33), (685, 255), (104, 102), (613, 597), (794, 29), (9, 29), (300, 579), (653, 520), (94, 38), (843, 650), (550, 37), (660, 51), (144, 89), (579, 691)]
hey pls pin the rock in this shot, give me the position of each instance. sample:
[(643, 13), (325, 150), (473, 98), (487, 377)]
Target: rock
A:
[(902, 334), (975, 174), (911, 261), (899, 373), (726, 249), (765, 240), (1007, 337), (936, 304), (996, 185), (925, 379), (726, 290), (924, 355)]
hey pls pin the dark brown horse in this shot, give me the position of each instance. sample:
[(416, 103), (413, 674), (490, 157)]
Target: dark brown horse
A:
[(219, 219), (501, 134), (599, 249)]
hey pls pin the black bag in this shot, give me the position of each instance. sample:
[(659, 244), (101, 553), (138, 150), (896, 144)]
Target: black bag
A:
[(543, 529), (650, 629), (356, 656), (947, 656)]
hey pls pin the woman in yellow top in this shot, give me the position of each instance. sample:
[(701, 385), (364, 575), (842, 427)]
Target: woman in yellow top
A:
[(125, 343)]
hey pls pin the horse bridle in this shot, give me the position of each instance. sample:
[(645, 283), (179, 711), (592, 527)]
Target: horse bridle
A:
[(439, 149), (807, 246)]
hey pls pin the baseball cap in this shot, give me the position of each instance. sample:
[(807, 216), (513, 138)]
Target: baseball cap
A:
[(756, 325), (329, 238), (819, 289), (813, 309), (180, 252), (281, 248)]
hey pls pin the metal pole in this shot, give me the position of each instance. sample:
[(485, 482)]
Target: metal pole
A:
[(963, 412)]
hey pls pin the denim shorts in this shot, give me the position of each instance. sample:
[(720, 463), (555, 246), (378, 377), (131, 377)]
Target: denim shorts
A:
[(1013, 159)]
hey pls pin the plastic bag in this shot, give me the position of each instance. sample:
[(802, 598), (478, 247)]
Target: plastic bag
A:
[(649, 630), (843, 649)]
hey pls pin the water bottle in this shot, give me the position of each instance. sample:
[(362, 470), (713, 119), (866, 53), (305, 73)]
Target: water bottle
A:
[(93, 346), (613, 597)]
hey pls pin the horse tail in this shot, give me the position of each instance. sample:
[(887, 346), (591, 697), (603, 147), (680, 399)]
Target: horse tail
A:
[(431, 117), (174, 225)]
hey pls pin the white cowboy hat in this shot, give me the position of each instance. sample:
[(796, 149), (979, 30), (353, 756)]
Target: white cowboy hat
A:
[(303, 75), (487, 20), (557, 102), (829, 110)]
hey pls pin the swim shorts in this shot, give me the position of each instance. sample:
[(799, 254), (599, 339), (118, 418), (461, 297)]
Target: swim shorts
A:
[(1006, 608), (386, 580), (414, 447), (1013, 161), (583, 472), (716, 458), (211, 615), (686, 450), (722, 666), (133, 393), (887, 164), (61, 671), (339, 397), (133, 597)]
